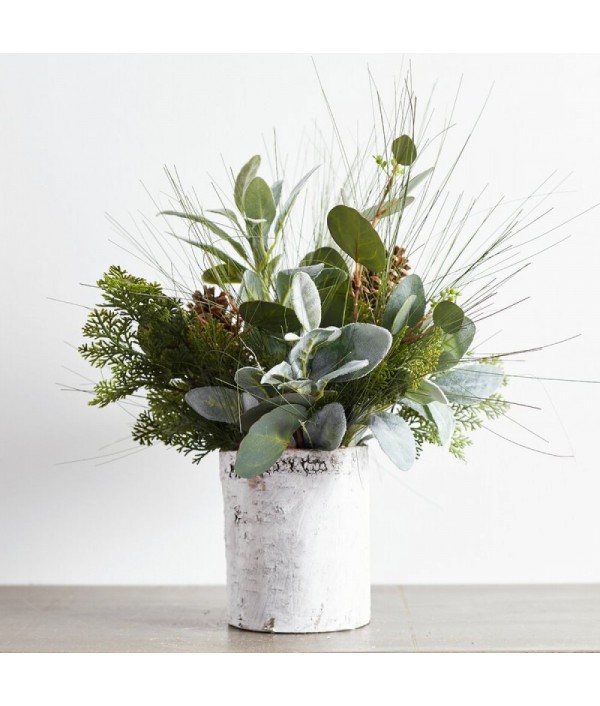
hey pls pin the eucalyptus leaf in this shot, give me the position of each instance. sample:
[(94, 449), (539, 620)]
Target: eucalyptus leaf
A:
[(326, 255), (306, 301), (357, 237), (455, 345), (401, 318), (246, 175), (395, 438), (227, 273), (404, 150), (448, 316), (326, 428), (267, 439), (219, 404), (470, 384), (251, 416), (357, 341), (269, 316), (408, 286)]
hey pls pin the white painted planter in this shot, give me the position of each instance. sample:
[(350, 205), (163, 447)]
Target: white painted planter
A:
[(297, 542)]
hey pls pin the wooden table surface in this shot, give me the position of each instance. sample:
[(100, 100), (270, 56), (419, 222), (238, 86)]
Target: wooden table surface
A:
[(405, 619)]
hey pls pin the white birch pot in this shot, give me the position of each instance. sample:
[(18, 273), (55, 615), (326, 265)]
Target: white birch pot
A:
[(297, 542)]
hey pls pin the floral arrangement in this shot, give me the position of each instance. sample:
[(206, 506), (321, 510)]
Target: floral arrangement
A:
[(341, 343)]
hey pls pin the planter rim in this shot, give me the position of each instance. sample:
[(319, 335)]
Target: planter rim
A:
[(314, 452)]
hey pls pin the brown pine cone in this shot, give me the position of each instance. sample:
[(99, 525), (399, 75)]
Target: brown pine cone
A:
[(209, 305), (399, 267)]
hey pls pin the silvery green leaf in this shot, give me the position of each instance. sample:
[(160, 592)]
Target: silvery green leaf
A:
[(249, 380), (307, 388), (326, 428), (302, 352), (395, 438), (389, 208), (356, 342), (267, 439), (291, 337), (248, 401), (306, 301), (351, 366), (470, 384), (455, 345), (276, 190), (282, 372), (250, 416), (408, 286), (401, 318), (283, 281), (219, 404), (417, 179), (427, 392), (287, 206), (247, 173), (443, 417), (252, 287)]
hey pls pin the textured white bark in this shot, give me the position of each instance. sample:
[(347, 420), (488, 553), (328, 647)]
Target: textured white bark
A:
[(297, 542)]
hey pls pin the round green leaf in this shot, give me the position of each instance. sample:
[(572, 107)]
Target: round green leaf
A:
[(357, 237), (404, 150), (448, 316)]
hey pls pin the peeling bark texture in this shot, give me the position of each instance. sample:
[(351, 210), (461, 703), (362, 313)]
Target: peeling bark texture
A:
[(297, 542)]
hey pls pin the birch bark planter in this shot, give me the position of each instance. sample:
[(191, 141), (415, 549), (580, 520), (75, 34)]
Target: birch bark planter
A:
[(297, 542)]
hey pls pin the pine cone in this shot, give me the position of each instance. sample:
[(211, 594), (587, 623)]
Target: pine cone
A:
[(399, 267), (209, 305)]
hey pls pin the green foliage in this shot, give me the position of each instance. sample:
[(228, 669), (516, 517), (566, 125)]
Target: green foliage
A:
[(151, 344)]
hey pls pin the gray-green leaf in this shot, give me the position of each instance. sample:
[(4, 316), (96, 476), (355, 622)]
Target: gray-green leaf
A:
[(470, 384), (408, 287), (306, 301), (247, 173), (267, 439), (219, 404), (326, 428), (395, 438)]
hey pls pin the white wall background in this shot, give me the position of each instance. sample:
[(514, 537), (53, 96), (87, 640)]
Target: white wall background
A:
[(79, 132)]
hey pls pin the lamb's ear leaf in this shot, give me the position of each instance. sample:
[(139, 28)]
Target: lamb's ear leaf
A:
[(357, 237), (427, 392), (404, 150), (470, 384), (443, 417), (388, 209), (269, 316), (283, 280), (306, 301), (395, 438), (219, 404), (455, 345), (448, 316), (267, 439), (326, 428), (226, 273), (276, 191), (408, 286), (287, 206), (357, 341), (247, 173)]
